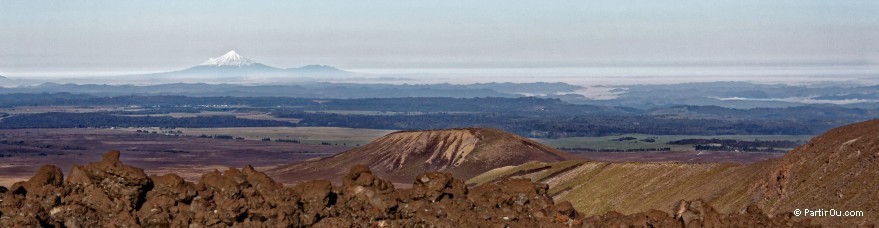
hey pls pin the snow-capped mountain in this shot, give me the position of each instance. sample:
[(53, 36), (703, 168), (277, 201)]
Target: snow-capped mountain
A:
[(231, 58), (234, 65)]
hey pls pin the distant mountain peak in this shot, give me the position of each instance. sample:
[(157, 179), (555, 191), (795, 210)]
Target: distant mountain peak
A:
[(231, 58), (316, 67)]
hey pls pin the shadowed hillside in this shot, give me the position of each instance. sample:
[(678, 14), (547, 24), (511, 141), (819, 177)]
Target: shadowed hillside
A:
[(399, 156)]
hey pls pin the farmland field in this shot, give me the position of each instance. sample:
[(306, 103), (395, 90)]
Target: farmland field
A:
[(608, 142)]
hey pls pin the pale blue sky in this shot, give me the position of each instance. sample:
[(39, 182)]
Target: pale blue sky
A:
[(100, 36)]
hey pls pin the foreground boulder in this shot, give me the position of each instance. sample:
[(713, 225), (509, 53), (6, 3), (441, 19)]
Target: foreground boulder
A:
[(109, 193)]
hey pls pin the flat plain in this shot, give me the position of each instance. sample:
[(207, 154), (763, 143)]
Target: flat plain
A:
[(23, 151)]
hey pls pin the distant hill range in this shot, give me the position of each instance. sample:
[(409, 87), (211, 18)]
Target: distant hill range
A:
[(837, 170), (302, 90), (400, 156), (13, 82), (232, 65)]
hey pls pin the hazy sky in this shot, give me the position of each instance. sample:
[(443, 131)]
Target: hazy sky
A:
[(102, 36)]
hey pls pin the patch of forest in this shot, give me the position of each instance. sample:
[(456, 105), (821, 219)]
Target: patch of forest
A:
[(738, 145)]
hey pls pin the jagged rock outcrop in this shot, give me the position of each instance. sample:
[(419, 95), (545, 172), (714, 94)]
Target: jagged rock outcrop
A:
[(400, 156)]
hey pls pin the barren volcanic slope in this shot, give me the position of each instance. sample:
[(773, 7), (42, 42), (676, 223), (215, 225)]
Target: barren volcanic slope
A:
[(400, 156), (838, 170)]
